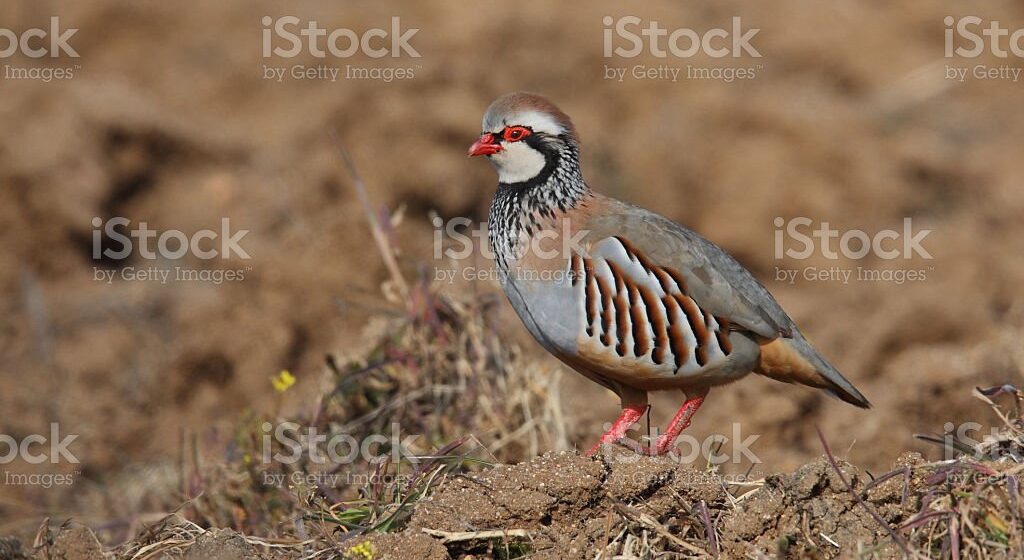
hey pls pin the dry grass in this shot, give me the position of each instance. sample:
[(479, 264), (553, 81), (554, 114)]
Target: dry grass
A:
[(438, 369), (970, 507), (444, 375), (173, 536)]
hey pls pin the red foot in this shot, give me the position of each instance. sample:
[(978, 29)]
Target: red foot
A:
[(630, 414), (679, 423)]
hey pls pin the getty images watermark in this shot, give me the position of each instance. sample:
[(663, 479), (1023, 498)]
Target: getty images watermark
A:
[(800, 238), (968, 38), (119, 239), (38, 449), (630, 37), (289, 37), (49, 45)]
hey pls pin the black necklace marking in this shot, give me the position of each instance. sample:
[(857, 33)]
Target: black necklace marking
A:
[(517, 206)]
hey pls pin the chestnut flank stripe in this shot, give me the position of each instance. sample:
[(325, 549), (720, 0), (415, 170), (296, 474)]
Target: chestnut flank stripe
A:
[(700, 332), (676, 336), (658, 322), (641, 340)]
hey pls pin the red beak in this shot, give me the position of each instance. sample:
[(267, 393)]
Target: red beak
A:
[(484, 146)]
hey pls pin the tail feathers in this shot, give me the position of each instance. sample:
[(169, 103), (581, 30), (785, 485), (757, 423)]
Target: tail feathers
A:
[(793, 360), (849, 394)]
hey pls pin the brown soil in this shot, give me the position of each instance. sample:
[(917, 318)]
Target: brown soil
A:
[(573, 506)]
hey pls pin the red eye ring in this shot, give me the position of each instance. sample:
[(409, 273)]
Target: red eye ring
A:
[(515, 133)]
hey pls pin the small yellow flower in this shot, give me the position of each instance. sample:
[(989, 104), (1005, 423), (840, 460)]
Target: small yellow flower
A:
[(362, 550), (283, 381)]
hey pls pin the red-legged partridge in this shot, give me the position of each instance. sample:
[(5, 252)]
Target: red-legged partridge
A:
[(624, 296)]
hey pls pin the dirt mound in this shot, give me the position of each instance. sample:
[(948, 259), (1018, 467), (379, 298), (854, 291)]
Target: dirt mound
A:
[(562, 505), (570, 505)]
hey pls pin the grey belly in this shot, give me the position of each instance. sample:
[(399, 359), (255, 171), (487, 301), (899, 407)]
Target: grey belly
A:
[(547, 311)]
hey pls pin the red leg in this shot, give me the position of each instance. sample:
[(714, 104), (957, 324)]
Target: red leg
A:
[(679, 423), (630, 414)]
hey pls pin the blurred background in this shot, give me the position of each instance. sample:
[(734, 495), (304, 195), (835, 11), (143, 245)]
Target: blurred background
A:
[(168, 118)]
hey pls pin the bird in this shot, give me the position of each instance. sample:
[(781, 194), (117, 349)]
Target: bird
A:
[(624, 296)]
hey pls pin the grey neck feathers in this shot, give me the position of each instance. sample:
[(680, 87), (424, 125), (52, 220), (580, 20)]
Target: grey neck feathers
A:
[(520, 210)]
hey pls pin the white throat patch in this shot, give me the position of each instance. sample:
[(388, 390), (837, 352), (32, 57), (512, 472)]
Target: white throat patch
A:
[(518, 162)]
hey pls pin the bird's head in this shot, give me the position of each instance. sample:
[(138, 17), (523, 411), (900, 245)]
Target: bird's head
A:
[(525, 136)]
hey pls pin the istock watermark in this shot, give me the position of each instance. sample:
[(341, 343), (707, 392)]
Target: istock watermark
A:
[(628, 37), (118, 240), (993, 446), (715, 449), (971, 37), (290, 443), (38, 449), (288, 37), (459, 238), (53, 43), (458, 241), (798, 238)]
